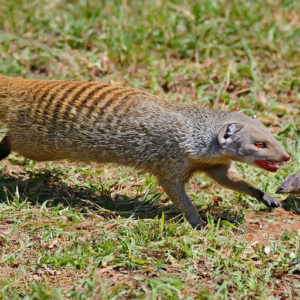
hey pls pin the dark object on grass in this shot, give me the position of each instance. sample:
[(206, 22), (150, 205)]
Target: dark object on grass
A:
[(291, 184)]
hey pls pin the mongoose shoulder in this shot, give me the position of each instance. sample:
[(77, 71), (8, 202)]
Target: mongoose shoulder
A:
[(92, 121)]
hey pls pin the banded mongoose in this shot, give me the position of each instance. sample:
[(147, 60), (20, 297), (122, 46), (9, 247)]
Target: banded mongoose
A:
[(92, 121), (291, 184)]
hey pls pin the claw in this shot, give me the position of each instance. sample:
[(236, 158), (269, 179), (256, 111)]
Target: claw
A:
[(200, 226), (270, 201)]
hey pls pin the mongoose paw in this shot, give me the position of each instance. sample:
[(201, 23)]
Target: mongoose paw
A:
[(270, 201), (199, 225)]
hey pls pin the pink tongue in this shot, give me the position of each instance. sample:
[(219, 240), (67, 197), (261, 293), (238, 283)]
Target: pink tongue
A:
[(267, 165)]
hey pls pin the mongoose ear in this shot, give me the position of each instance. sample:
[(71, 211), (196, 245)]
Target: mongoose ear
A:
[(228, 132)]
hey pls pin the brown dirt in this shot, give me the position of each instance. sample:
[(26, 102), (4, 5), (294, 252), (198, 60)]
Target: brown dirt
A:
[(266, 227)]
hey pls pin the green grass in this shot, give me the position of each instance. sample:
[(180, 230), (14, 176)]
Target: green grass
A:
[(70, 231)]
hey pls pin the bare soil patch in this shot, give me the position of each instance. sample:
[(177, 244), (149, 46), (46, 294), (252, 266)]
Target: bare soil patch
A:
[(266, 227)]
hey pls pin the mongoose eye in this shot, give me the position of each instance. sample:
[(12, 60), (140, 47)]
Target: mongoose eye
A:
[(260, 145)]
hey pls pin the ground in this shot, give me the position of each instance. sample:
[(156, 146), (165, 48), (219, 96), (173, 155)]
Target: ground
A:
[(70, 231)]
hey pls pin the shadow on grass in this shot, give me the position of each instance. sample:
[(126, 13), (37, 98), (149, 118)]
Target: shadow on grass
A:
[(292, 203), (48, 186), (45, 186)]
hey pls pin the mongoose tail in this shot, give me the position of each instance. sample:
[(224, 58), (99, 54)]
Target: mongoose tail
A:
[(291, 184), (91, 121)]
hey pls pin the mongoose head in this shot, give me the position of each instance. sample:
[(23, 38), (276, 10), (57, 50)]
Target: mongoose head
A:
[(291, 184), (247, 140)]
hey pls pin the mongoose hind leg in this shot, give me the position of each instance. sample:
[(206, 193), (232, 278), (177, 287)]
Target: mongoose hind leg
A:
[(182, 202), (228, 176), (4, 147)]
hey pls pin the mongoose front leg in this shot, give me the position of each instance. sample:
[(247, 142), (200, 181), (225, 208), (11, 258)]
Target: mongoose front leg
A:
[(175, 190), (228, 176), (4, 147)]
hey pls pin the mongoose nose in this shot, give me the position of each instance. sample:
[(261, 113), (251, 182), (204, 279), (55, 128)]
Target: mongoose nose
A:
[(279, 190), (286, 158)]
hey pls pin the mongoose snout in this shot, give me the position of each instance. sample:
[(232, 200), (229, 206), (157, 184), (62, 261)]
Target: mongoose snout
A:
[(92, 121), (291, 184)]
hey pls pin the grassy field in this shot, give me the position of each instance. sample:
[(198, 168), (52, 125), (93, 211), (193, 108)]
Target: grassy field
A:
[(71, 231)]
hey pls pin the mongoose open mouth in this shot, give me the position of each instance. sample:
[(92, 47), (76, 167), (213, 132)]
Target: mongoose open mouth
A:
[(267, 165)]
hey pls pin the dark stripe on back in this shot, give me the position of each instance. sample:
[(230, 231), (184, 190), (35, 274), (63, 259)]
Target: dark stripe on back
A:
[(36, 98), (100, 98), (90, 97), (40, 99), (109, 103), (31, 86), (91, 94), (37, 85), (127, 105), (109, 100), (36, 82), (65, 89), (73, 98), (121, 102)]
